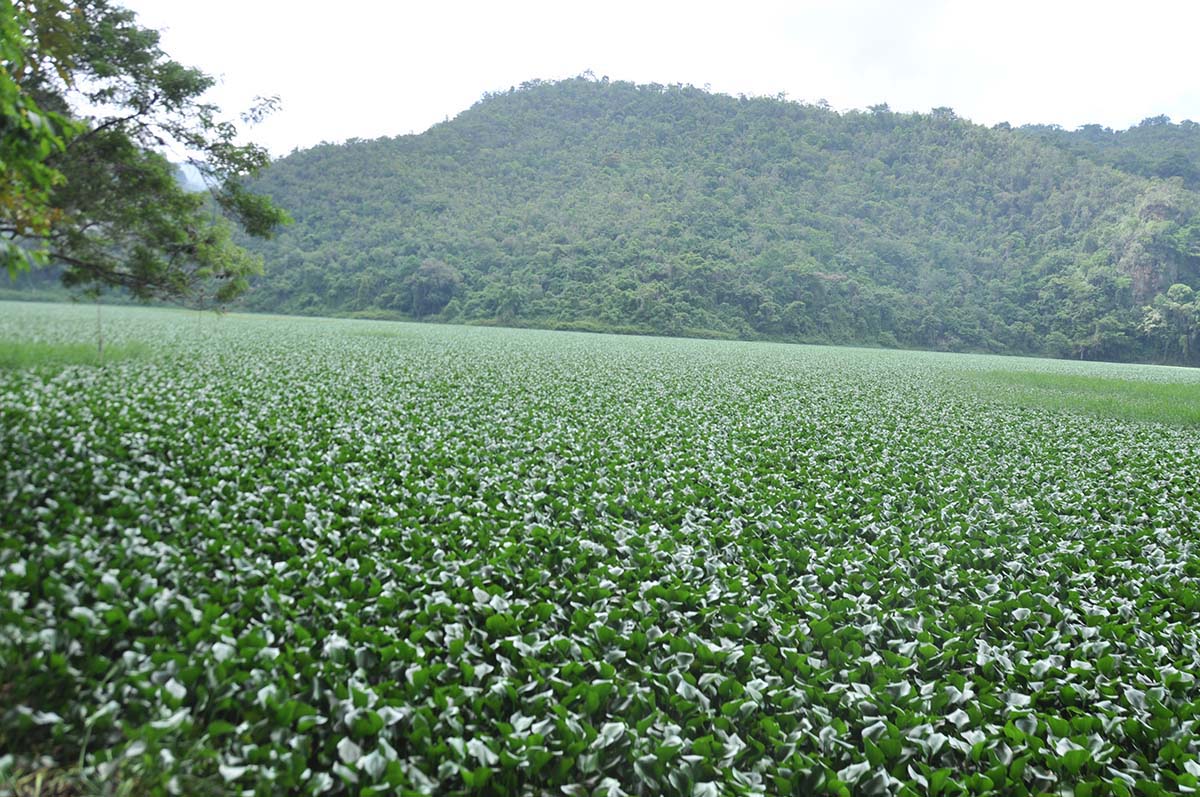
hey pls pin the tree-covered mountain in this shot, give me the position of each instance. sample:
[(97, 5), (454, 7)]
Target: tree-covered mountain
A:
[(605, 205)]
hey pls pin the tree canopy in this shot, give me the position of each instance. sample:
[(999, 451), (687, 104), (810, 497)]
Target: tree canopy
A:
[(28, 137), (95, 105)]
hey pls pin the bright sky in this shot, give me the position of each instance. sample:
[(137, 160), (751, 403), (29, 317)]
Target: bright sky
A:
[(357, 68)]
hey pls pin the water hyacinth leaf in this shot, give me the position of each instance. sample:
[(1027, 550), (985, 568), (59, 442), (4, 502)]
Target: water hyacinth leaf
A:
[(373, 763), (348, 751), (172, 722), (175, 689), (609, 733), (220, 728), (939, 779), (366, 723), (854, 773), (231, 773), (482, 753), (608, 787)]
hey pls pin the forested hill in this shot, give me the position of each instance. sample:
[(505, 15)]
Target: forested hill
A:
[(602, 205)]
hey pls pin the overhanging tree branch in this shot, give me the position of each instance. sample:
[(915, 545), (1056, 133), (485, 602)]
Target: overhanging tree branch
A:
[(110, 207)]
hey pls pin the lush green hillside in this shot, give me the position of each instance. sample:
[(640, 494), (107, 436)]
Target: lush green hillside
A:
[(608, 205)]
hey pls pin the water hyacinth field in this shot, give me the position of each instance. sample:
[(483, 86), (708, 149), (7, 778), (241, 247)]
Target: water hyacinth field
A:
[(296, 556)]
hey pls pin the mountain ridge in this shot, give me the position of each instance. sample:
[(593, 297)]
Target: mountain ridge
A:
[(591, 204)]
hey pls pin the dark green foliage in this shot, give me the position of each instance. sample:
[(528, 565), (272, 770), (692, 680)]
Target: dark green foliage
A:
[(593, 204), (28, 136), (111, 211)]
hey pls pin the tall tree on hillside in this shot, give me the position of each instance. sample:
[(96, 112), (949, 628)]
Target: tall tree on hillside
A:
[(1182, 312), (433, 285), (1174, 319), (106, 202)]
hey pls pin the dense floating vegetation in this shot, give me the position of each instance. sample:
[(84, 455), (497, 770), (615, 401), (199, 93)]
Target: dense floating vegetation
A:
[(311, 556)]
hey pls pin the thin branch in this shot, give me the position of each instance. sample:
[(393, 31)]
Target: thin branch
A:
[(115, 121)]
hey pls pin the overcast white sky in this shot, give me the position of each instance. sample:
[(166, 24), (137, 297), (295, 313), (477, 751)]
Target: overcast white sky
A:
[(356, 68)]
